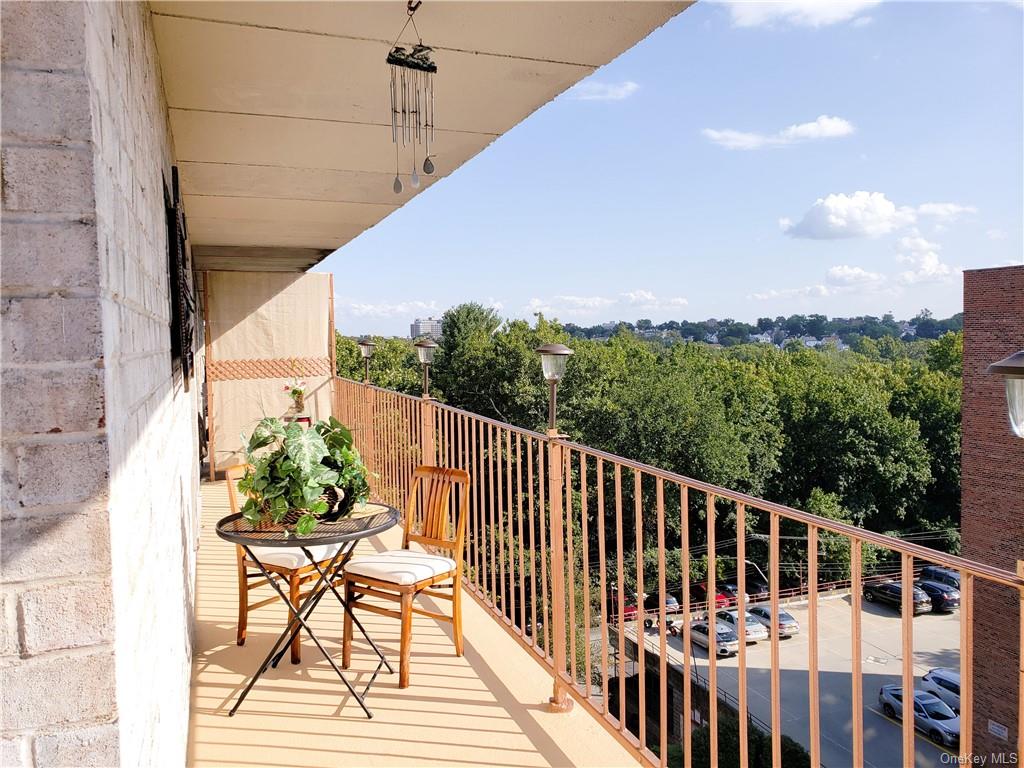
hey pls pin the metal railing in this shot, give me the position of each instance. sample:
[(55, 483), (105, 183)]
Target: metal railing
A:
[(557, 538)]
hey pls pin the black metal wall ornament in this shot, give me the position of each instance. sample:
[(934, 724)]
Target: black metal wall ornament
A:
[(412, 99), (179, 267)]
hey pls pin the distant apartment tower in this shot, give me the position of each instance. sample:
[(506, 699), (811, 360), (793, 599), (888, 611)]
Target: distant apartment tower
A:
[(425, 327)]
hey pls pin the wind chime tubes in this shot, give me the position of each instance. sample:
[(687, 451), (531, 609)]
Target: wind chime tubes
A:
[(412, 101)]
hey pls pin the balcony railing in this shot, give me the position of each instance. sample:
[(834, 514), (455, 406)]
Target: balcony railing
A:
[(556, 546)]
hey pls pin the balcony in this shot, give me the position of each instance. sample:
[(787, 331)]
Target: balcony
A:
[(486, 708), (555, 530)]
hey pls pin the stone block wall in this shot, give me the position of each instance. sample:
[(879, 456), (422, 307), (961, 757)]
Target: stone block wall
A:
[(992, 479), (99, 452)]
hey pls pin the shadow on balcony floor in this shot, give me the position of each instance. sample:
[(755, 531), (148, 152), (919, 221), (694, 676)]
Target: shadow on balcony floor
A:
[(486, 708)]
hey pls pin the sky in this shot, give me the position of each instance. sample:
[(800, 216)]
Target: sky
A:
[(744, 160)]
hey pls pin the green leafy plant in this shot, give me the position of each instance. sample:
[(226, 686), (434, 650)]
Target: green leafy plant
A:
[(292, 468), (343, 458)]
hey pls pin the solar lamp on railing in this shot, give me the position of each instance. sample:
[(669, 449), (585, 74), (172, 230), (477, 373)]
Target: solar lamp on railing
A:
[(1012, 370), (553, 359), (425, 349), (366, 346)]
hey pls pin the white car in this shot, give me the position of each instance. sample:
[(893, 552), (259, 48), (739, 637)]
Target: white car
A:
[(726, 642), (788, 626), (943, 683), (931, 715), (753, 631)]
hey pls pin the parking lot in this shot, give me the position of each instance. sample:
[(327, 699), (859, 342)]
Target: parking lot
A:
[(936, 644)]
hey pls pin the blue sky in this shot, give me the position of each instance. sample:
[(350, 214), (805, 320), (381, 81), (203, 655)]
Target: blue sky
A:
[(743, 161)]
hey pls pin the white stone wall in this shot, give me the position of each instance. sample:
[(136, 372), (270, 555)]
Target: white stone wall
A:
[(99, 458), (151, 415)]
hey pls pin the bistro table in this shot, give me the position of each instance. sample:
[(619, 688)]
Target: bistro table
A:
[(366, 521)]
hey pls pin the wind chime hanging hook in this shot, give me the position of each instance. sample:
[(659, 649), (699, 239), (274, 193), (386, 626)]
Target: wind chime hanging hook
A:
[(412, 98)]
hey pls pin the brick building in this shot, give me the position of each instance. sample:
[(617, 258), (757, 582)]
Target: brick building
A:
[(992, 484)]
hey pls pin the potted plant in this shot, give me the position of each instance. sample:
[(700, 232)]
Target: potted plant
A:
[(297, 476), (297, 392), (342, 457)]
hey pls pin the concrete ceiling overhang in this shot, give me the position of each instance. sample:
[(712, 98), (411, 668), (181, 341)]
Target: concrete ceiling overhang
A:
[(280, 113)]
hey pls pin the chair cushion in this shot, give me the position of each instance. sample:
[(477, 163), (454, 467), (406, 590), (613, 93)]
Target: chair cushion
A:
[(400, 566), (292, 557)]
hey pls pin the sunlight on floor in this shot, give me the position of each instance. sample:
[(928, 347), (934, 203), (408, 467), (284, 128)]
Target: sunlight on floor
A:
[(487, 708)]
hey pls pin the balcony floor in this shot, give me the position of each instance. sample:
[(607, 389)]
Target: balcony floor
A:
[(486, 708)]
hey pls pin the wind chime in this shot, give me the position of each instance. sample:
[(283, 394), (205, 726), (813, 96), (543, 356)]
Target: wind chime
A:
[(412, 100)]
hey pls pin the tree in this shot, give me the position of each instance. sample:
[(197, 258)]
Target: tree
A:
[(841, 437), (946, 354), (462, 359), (348, 360), (926, 326)]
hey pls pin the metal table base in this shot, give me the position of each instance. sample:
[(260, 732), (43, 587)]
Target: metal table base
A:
[(346, 533)]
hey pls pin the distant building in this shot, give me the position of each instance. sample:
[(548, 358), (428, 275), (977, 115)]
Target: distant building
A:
[(836, 342), (425, 327), (761, 338), (810, 341)]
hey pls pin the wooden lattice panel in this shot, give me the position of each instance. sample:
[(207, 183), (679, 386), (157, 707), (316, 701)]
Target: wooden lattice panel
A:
[(280, 368)]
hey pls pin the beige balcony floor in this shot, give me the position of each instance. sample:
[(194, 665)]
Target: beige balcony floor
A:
[(486, 708)]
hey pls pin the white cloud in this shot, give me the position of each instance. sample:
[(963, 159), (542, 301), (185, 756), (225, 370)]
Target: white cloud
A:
[(799, 13), (494, 304), (862, 21), (824, 127), (569, 305), (643, 299), (862, 214), (793, 293), (845, 275), (945, 210), (995, 234), (923, 258), (838, 280), (639, 299), (594, 91), (358, 309)]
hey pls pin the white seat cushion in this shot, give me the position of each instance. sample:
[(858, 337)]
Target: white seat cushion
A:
[(292, 557), (400, 566)]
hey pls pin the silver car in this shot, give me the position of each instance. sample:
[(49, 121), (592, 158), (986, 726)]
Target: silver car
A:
[(943, 683), (726, 642), (788, 626), (753, 629), (931, 715)]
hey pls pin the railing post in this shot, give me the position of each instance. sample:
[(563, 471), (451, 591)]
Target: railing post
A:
[(560, 700), (428, 447), (367, 425)]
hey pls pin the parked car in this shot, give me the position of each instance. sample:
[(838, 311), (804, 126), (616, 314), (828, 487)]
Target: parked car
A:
[(940, 574), (892, 592), (726, 642), (943, 683), (753, 630), (788, 626), (944, 597), (629, 609), (757, 587), (652, 604), (931, 715), (699, 594), (733, 591)]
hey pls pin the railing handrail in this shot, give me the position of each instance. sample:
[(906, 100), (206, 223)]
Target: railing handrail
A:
[(519, 472), (955, 562), (990, 572)]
